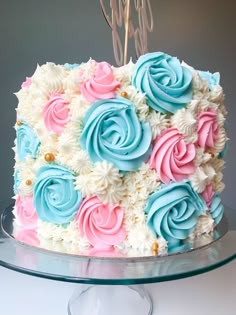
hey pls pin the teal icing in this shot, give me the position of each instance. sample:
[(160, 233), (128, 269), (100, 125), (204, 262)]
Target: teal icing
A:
[(165, 82), (212, 79), (113, 132), (217, 208), (173, 211), (27, 143), (55, 198), (222, 154), (69, 66), (16, 182)]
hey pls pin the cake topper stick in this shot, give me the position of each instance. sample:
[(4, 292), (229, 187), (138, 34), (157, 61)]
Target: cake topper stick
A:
[(127, 18), (121, 15)]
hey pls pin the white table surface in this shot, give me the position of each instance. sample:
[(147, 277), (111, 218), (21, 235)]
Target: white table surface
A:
[(210, 293)]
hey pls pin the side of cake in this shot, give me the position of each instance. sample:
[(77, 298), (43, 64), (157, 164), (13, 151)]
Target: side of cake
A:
[(126, 158)]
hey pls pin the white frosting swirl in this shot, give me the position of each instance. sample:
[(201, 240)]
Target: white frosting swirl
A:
[(185, 121), (124, 73), (199, 179), (48, 79)]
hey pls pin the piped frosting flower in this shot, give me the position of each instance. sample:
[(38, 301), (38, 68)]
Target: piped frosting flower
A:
[(27, 142), (172, 157), (113, 132), (208, 194), (56, 113), (166, 83), (173, 211), (207, 129), (101, 224), (55, 197), (27, 83), (101, 85), (26, 215), (217, 208)]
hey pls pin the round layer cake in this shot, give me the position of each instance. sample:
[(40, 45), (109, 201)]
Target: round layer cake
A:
[(126, 159)]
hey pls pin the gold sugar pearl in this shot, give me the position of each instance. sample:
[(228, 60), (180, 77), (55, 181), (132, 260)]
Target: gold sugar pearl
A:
[(28, 182), (155, 247), (19, 123), (155, 252), (124, 94), (212, 154), (49, 157)]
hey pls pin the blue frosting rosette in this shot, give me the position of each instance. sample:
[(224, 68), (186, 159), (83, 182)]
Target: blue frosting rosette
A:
[(113, 132), (173, 211), (166, 83), (55, 198), (16, 182), (217, 208), (27, 142), (212, 79)]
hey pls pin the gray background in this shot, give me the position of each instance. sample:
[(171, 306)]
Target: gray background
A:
[(202, 33)]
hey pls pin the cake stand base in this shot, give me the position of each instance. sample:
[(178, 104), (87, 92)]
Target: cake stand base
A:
[(115, 300)]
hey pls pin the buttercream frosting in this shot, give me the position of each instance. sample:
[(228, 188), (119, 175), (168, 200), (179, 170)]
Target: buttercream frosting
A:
[(112, 132), (166, 83)]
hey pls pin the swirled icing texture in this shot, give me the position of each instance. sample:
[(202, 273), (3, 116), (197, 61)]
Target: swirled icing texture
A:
[(112, 132), (101, 224), (26, 215), (172, 157), (217, 208), (212, 79), (166, 83), (55, 197), (208, 194), (173, 211), (27, 142), (28, 237), (207, 129), (16, 181), (56, 113), (102, 85)]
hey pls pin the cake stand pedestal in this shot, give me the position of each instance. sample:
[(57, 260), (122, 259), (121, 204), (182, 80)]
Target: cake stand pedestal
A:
[(114, 285)]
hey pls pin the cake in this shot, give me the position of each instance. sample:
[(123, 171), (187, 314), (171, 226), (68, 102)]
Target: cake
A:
[(119, 159)]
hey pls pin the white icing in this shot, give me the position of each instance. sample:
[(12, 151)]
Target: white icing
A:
[(158, 122), (185, 121), (47, 80), (124, 73), (199, 179), (205, 225)]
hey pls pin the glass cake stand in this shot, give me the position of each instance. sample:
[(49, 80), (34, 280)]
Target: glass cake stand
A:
[(115, 284)]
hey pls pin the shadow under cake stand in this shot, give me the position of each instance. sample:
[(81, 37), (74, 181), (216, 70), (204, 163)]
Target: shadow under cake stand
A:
[(113, 285)]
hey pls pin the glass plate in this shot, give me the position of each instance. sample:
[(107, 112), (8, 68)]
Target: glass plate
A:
[(189, 260)]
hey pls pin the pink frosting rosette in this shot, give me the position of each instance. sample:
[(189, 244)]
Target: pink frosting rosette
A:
[(101, 224), (102, 85), (208, 194), (25, 212), (27, 83), (172, 157), (56, 113), (207, 129), (28, 237)]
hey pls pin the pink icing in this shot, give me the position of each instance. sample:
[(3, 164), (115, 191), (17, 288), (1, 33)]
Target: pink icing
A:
[(172, 157), (102, 85), (208, 194), (101, 224), (25, 212), (27, 83), (207, 129), (28, 237), (56, 113)]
